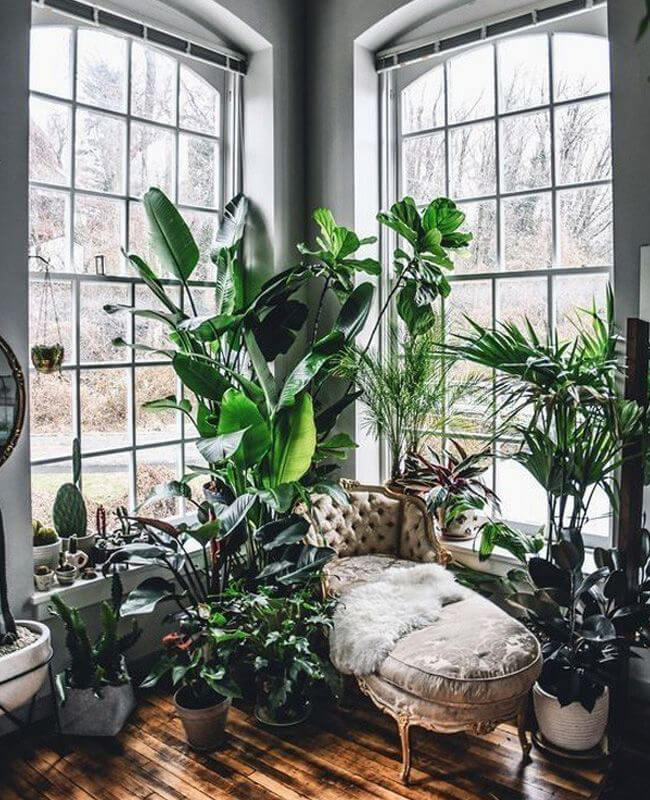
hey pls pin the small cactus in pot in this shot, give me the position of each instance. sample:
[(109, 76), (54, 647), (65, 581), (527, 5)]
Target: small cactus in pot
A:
[(46, 544)]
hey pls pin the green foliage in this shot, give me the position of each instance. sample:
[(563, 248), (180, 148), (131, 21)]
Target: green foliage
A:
[(562, 401), (41, 535), (407, 393), (645, 22), (428, 238), (69, 511), (93, 665), (496, 533), (587, 622), (452, 485)]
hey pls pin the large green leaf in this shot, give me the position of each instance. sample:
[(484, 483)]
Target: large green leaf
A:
[(145, 597), (326, 419), (200, 377), (218, 449), (276, 332), (232, 225), (170, 237), (262, 371), (209, 327), (309, 367), (171, 320), (154, 285), (163, 491), (169, 403), (354, 313), (294, 442), (239, 413), (418, 318)]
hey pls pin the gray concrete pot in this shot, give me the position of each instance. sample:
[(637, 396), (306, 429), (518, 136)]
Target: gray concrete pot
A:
[(205, 728), (84, 714), (47, 555)]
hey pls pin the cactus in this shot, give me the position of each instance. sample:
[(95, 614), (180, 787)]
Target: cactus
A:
[(69, 512), (95, 665), (8, 633), (43, 535)]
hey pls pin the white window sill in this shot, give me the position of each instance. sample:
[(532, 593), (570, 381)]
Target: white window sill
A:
[(500, 562), (83, 594)]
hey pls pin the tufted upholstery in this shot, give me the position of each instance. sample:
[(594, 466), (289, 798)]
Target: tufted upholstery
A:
[(373, 523), (471, 669)]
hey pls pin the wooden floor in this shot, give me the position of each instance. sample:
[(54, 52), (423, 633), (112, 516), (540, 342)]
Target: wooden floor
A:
[(335, 755)]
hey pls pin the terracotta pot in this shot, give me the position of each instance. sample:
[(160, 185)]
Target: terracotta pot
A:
[(205, 728), (571, 728)]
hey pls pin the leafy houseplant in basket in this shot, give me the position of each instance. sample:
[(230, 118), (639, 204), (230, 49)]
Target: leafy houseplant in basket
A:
[(588, 624), (95, 691)]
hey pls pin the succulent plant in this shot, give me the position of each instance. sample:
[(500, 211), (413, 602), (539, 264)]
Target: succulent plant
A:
[(69, 512), (93, 665), (42, 534)]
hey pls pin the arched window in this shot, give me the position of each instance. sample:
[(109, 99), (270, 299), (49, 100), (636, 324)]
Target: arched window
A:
[(111, 117), (518, 133)]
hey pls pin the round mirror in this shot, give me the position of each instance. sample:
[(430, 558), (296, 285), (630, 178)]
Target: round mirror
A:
[(12, 400)]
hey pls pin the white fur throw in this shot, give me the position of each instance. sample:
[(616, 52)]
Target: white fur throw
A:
[(371, 618)]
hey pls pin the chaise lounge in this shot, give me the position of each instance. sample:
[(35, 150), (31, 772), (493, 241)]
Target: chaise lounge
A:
[(469, 671)]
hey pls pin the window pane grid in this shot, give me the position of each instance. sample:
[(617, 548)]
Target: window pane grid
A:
[(543, 284), (148, 451)]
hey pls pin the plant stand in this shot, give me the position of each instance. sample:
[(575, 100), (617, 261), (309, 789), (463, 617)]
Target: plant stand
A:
[(12, 717)]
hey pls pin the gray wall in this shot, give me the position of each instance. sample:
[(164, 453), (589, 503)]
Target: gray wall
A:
[(14, 127)]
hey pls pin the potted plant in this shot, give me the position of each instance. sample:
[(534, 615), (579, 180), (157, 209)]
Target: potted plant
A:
[(69, 511), (47, 545), (95, 692), (588, 624), (197, 657), (282, 643), (43, 578), (25, 649), (562, 403), (453, 488)]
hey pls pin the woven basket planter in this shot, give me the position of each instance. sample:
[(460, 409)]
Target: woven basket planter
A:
[(571, 728)]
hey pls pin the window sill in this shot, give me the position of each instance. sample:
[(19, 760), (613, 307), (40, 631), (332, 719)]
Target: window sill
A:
[(83, 594), (500, 562)]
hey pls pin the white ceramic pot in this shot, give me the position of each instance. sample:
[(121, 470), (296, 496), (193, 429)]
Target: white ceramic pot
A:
[(19, 691), (465, 527), (44, 583), (571, 728), (47, 555)]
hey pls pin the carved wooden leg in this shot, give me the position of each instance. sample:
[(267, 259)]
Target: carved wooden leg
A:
[(521, 728), (404, 735)]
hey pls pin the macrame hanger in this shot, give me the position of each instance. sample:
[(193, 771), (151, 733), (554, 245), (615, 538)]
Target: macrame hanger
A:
[(47, 293)]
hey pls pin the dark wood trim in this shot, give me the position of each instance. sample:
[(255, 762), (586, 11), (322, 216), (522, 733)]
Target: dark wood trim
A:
[(631, 499)]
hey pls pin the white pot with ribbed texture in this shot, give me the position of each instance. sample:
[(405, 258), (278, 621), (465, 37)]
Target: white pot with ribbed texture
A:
[(572, 728)]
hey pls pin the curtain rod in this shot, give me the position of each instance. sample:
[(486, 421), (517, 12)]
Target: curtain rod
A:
[(223, 58), (396, 57)]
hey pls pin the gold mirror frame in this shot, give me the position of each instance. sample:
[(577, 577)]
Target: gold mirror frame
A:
[(19, 416)]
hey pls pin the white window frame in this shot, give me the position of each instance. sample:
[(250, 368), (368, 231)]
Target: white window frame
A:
[(392, 82), (228, 140)]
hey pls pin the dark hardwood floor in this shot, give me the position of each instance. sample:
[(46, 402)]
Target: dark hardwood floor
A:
[(336, 755)]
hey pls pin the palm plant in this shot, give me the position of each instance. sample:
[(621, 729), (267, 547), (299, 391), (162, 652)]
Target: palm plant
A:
[(408, 396), (562, 400)]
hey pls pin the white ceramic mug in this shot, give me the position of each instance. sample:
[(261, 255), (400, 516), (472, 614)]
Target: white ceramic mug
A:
[(78, 559)]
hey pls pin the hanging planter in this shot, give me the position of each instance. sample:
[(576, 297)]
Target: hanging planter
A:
[(47, 358)]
